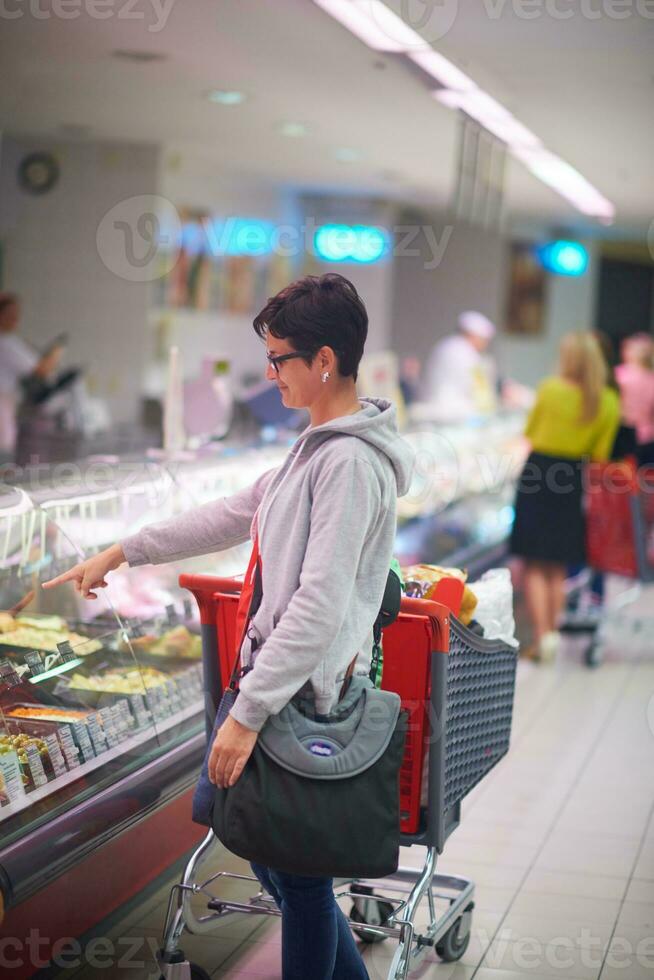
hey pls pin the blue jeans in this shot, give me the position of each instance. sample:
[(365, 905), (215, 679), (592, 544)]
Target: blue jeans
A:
[(316, 939)]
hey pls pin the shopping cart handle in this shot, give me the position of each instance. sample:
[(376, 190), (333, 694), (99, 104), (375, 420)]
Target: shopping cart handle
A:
[(204, 588)]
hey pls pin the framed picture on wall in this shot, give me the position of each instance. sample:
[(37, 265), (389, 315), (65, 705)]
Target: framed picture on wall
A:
[(525, 308)]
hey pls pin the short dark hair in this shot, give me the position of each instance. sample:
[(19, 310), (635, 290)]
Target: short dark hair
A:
[(315, 312), (7, 300)]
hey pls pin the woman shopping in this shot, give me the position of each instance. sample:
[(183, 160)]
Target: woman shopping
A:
[(575, 419), (325, 527)]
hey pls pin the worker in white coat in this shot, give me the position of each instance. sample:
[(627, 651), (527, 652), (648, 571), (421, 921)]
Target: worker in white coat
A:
[(460, 377), (18, 360)]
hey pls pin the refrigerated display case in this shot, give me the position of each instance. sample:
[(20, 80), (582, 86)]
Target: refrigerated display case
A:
[(102, 716)]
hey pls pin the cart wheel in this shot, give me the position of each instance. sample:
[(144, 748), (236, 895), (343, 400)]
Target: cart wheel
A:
[(378, 915), (197, 973), (453, 945), (593, 653)]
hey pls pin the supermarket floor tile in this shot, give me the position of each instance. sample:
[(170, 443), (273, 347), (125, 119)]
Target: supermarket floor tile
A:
[(559, 840)]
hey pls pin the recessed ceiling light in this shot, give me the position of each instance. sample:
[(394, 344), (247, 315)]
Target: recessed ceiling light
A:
[(293, 129), (226, 97), (345, 154), (140, 56)]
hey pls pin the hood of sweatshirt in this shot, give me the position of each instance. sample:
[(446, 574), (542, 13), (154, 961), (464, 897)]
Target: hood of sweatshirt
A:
[(376, 424)]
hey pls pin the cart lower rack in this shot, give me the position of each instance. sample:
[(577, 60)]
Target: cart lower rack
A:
[(458, 690)]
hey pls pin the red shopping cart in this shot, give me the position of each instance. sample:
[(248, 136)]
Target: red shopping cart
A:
[(458, 690), (619, 504)]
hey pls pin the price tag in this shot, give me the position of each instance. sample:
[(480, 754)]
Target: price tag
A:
[(35, 663), (66, 651), (171, 614), (36, 765), (81, 734), (68, 747), (56, 755), (8, 675)]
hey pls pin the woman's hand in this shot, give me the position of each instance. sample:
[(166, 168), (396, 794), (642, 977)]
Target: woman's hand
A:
[(230, 751), (90, 574)]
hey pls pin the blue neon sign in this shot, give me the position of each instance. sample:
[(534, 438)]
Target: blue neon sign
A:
[(351, 243), (564, 258)]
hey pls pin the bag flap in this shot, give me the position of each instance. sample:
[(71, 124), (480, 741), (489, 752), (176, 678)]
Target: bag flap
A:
[(333, 749)]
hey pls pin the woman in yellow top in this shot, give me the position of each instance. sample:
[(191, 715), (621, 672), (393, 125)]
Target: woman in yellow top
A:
[(575, 419)]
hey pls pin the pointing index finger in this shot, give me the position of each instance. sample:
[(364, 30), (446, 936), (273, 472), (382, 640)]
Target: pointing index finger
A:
[(64, 577)]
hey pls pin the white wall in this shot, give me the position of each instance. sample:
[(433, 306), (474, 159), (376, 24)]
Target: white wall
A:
[(51, 260), (433, 287)]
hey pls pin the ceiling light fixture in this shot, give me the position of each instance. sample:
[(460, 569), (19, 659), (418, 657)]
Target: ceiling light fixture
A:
[(293, 130), (566, 181), (383, 30), (375, 24), (345, 154), (490, 114), (226, 97), (442, 70)]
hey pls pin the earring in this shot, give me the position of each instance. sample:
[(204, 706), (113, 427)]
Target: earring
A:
[(325, 377)]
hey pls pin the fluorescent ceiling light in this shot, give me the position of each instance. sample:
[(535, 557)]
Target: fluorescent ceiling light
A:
[(490, 114), (226, 97), (567, 182), (374, 24), (442, 70)]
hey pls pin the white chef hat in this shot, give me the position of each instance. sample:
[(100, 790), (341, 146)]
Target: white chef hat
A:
[(476, 324)]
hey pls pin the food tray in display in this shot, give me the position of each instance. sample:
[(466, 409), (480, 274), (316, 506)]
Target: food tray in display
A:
[(169, 652), (51, 718)]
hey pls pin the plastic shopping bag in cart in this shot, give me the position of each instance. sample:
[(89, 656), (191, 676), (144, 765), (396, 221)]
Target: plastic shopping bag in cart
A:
[(494, 611)]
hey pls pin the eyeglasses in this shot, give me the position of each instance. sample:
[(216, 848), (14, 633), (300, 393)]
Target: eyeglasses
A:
[(280, 358)]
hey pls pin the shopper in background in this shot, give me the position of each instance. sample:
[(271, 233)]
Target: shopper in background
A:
[(18, 361), (460, 378), (325, 525), (635, 377), (575, 418)]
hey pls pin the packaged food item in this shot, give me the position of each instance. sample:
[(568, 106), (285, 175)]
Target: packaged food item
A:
[(421, 582)]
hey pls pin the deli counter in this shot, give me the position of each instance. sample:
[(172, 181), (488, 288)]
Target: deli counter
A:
[(102, 707)]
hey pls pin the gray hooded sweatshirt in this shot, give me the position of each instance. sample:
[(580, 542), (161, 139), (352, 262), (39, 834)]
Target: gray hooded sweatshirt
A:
[(326, 523)]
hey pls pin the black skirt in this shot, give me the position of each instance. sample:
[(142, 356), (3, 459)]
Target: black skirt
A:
[(549, 522)]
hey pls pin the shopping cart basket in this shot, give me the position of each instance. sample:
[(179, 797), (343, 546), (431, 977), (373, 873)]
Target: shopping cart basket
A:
[(619, 503), (458, 690)]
